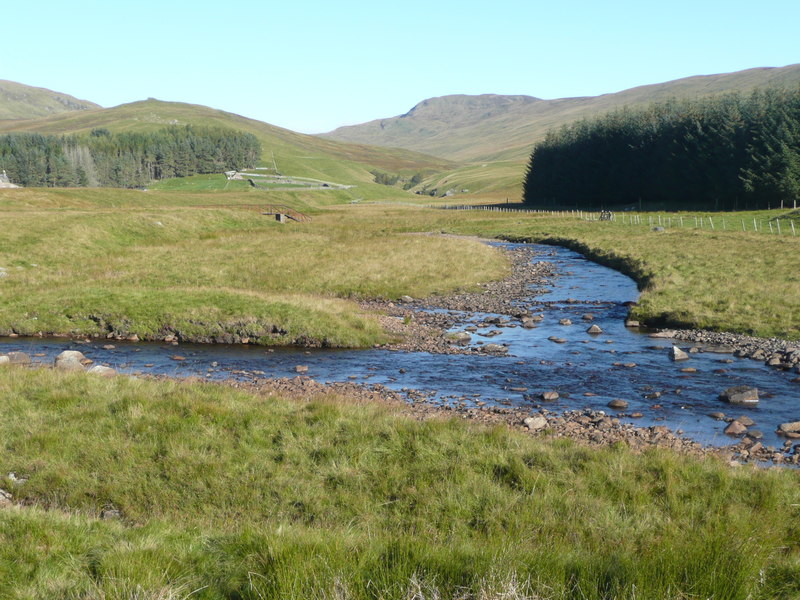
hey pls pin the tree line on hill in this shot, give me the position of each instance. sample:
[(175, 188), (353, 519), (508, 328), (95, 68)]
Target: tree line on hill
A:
[(729, 152), (128, 160)]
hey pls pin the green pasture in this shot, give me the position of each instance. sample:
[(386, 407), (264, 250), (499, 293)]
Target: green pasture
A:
[(228, 494)]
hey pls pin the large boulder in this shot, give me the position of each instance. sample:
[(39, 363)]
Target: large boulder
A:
[(740, 394), (536, 422), (793, 427), (495, 349), (102, 371), (70, 360), (461, 338), (677, 354), (735, 428)]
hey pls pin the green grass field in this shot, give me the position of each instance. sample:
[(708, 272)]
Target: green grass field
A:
[(155, 262), (227, 494), (230, 494), (94, 262)]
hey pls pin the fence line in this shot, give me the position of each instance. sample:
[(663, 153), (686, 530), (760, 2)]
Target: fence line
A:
[(633, 219)]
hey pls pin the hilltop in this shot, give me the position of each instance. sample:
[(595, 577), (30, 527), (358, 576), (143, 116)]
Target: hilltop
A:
[(19, 101), (493, 127)]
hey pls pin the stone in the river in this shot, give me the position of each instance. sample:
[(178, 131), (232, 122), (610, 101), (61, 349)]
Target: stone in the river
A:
[(746, 421), (495, 349), (594, 330), (688, 370), (528, 323), (301, 369), (735, 428), (676, 354), (535, 423), (618, 404), (631, 323), (565, 322), (755, 434), (102, 371), (667, 333), (18, 358), (462, 338), (70, 360), (717, 415), (740, 394), (588, 317), (793, 427), (550, 396), (405, 299)]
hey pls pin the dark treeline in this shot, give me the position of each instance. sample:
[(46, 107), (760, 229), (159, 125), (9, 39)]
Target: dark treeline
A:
[(124, 159), (730, 152)]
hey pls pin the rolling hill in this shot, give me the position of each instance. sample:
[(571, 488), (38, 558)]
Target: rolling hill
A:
[(294, 153), (492, 127), (18, 101)]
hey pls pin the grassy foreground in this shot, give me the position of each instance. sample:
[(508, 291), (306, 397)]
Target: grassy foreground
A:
[(227, 494)]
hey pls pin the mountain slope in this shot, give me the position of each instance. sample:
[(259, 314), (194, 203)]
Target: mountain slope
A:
[(18, 101), (294, 153), (492, 127)]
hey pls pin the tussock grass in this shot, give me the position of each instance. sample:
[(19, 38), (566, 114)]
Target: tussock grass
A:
[(76, 266), (720, 280), (226, 494)]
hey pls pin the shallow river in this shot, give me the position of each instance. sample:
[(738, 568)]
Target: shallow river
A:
[(585, 363)]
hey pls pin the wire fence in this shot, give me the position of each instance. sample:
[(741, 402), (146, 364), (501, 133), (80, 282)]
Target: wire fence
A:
[(774, 226)]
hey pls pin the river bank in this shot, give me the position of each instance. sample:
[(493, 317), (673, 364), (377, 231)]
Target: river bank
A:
[(602, 388)]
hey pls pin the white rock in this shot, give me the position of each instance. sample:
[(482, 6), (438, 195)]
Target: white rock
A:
[(70, 360), (102, 371)]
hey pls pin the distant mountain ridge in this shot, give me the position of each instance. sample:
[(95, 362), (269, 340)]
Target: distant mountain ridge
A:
[(19, 101), (491, 127)]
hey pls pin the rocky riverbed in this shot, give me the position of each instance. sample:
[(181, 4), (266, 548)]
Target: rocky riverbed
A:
[(773, 352), (421, 324)]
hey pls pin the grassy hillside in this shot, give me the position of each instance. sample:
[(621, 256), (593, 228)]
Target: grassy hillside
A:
[(18, 101), (491, 127), (294, 153)]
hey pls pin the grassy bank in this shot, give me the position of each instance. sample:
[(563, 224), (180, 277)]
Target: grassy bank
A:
[(745, 282), (98, 261), (164, 262), (226, 494)]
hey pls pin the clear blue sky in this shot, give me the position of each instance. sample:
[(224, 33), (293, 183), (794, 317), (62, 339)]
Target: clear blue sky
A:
[(313, 66)]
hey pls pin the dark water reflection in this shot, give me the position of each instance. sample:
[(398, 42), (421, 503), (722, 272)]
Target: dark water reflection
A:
[(585, 363)]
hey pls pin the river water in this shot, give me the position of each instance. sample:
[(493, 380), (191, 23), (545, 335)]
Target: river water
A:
[(584, 364)]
